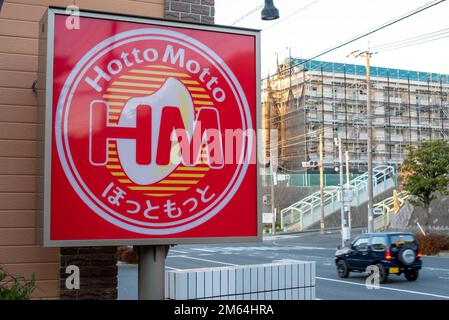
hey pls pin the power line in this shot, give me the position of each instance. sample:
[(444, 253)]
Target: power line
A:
[(411, 39), (383, 26), (291, 14), (246, 14), (422, 41)]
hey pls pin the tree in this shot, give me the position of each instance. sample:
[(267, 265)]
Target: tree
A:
[(425, 172)]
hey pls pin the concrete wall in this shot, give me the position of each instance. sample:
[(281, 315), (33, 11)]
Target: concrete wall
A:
[(439, 215), (286, 196)]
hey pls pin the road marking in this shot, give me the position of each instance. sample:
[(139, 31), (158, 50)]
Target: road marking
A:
[(260, 248), (436, 256), (178, 251), (206, 260), (170, 268), (205, 250), (435, 269), (385, 288), (272, 238)]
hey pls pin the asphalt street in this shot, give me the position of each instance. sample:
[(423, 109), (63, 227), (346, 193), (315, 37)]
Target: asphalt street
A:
[(433, 282)]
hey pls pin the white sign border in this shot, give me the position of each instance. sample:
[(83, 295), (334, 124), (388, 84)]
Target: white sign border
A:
[(49, 19)]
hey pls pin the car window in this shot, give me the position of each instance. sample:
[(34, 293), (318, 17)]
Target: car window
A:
[(400, 240), (378, 243), (360, 244)]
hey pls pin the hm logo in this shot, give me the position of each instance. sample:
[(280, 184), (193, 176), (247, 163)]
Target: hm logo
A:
[(156, 133)]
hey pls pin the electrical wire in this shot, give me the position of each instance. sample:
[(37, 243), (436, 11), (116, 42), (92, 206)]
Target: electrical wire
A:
[(246, 15), (411, 39), (276, 22), (381, 27), (414, 44)]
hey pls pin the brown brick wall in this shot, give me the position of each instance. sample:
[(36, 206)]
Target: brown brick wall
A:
[(98, 272), (200, 11), (21, 156)]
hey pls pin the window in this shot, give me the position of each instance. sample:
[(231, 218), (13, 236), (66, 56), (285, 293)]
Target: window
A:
[(360, 244), (378, 243), (400, 240)]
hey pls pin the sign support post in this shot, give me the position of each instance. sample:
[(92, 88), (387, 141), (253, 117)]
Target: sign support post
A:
[(112, 189), (151, 277)]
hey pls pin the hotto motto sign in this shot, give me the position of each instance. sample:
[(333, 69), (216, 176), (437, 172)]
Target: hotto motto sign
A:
[(152, 132)]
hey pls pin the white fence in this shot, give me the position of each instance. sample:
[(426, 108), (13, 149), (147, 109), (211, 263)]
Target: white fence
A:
[(280, 280)]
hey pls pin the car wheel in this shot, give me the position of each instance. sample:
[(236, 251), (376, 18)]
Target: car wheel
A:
[(411, 275), (342, 269), (383, 274)]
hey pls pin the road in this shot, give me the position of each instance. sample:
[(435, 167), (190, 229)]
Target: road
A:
[(433, 282)]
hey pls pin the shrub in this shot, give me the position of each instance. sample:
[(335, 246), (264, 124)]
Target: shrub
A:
[(446, 244), (432, 244), (15, 287)]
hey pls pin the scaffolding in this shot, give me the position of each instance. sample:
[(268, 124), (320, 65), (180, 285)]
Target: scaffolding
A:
[(329, 98)]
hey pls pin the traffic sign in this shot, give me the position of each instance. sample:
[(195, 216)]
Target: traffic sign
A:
[(282, 177), (378, 211), (310, 164), (346, 195), (267, 218)]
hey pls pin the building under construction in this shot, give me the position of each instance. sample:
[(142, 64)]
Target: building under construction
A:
[(308, 98)]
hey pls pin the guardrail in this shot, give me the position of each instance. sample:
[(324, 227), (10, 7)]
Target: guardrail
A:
[(306, 212)]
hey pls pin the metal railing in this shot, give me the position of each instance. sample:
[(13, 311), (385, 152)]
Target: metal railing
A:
[(306, 212), (382, 221)]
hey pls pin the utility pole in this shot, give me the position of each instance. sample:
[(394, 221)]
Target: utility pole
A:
[(273, 182), (290, 66), (348, 188), (369, 119), (340, 190), (321, 185)]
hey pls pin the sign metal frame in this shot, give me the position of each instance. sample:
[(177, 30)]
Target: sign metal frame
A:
[(47, 43)]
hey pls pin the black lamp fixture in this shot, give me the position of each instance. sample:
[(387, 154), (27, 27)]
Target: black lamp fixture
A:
[(269, 11)]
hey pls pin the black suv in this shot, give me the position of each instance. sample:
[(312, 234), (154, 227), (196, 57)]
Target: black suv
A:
[(392, 252)]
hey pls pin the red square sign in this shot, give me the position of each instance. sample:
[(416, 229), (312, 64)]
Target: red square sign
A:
[(150, 132)]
